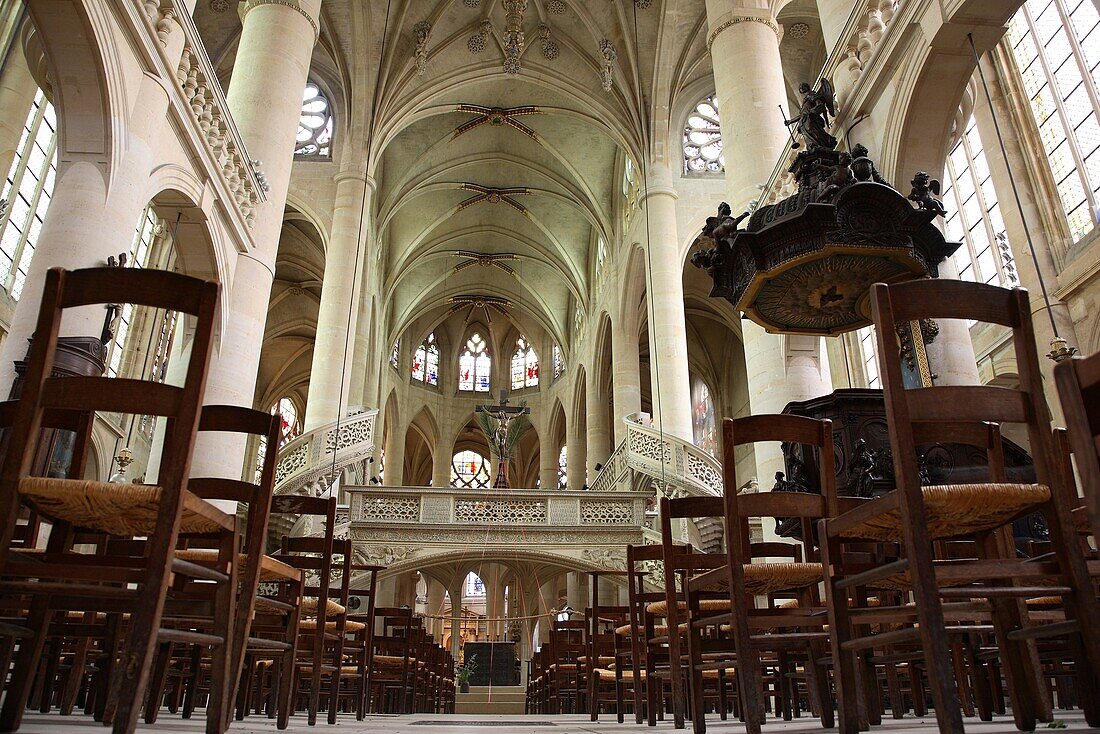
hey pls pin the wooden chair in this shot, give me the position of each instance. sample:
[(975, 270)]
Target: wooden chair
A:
[(255, 565), (158, 513), (602, 676), (916, 517), (1078, 380), (762, 571), (393, 673)]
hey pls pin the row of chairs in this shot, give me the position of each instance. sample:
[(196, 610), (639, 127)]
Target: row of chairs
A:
[(918, 600), (122, 598)]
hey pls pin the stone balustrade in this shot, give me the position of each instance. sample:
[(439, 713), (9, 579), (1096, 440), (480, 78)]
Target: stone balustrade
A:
[(204, 104), (676, 466), (325, 451), (422, 506)]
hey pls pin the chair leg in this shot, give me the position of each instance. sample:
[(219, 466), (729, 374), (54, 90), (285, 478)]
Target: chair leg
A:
[(157, 681), (26, 665), (840, 627), (223, 665)]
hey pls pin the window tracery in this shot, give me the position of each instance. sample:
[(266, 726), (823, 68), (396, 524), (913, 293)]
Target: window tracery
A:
[(703, 139), (315, 123), (395, 354), (290, 426), (469, 469), (867, 352), (559, 361), (525, 365), (474, 365), (425, 364), (975, 215), (563, 465), (601, 256), (27, 193), (1056, 48)]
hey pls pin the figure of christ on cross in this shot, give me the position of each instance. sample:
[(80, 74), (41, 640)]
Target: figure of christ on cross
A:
[(503, 414)]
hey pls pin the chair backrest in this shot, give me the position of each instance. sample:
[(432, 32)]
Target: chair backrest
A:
[(311, 553), (43, 392), (1078, 382), (952, 299), (817, 435)]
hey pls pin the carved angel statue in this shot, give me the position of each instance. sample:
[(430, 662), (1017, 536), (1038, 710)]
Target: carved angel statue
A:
[(924, 192), (813, 116)]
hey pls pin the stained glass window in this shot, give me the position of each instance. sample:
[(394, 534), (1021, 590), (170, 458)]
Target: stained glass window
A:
[(425, 364), (703, 139), (288, 412), (559, 361), (395, 354), (474, 365), (702, 417), (974, 215), (601, 255), (563, 464), (469, 469), (867, 352), (474, 585), (314, 124), (525, 365), (27, 192), (158, 369), (1056, 46)]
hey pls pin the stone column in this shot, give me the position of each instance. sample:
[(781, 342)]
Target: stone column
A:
[(334, 347), (599, 437), (265, 98), (395, 454), (1018, 224), (89, 220), (548, 460), (17, 90), (576, 456), (748, 74), (435, 607), (665, 298), (455, 592), (626, 365)]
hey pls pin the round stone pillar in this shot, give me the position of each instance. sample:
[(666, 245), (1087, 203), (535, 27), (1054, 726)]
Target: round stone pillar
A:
[(748, 74), (599, 435), (668, 362), (265, 98), (576, 456), (395, 454), (88, 221), (627, 384), (548, 460), (334, 347), (456, 619)]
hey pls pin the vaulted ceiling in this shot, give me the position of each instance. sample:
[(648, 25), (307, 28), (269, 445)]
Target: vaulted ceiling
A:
[(524, 166)]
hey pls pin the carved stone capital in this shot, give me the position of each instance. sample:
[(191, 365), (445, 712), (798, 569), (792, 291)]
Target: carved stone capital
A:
[(247, 5), (746, 15)]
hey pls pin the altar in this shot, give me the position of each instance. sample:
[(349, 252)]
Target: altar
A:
[(493, 663)]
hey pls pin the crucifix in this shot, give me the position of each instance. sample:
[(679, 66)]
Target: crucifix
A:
[(504, 414)]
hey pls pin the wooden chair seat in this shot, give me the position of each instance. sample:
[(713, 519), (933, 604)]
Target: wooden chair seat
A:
[(118, 509), (309, 606), (344, 670), (953, 510), (271, 569), (660, 608), (391, 661), (766, 578), (349, 626), (608, 674), (628, 630), (601, 660)]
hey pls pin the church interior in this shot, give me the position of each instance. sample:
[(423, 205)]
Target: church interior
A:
[(599, 365)]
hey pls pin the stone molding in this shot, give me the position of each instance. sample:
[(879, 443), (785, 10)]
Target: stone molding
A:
[(248, 5), (733, 20)]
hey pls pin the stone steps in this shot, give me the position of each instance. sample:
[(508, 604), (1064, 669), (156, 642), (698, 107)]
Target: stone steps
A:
[(491, 700)]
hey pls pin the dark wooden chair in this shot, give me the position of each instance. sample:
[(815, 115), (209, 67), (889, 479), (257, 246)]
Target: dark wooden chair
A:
[(158, 513), (1078, 380), (916, 517), (393, 674), (770, 589)]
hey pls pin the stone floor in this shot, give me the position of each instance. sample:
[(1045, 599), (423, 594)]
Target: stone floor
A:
[(468, 724)]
